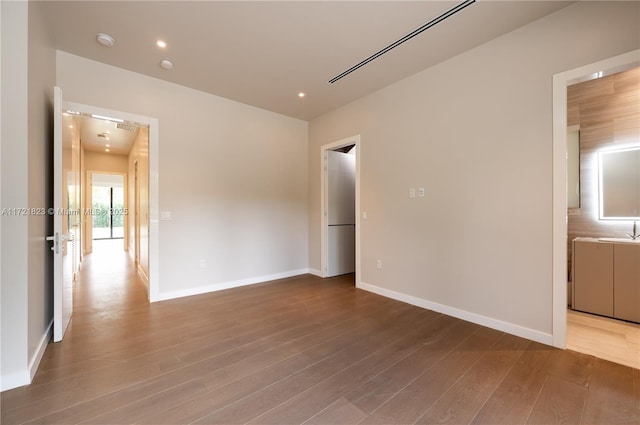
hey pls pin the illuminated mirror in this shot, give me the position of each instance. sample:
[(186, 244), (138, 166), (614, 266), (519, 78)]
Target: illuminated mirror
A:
[(619, 188)]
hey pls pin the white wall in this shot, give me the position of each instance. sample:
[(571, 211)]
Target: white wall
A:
[(478, 245), (98, 161), (42, 60), (14, 193), (28, 76), (234, 178)]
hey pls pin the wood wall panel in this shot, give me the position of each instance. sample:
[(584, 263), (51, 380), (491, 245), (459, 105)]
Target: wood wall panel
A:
[(573, 114), (608, 112)]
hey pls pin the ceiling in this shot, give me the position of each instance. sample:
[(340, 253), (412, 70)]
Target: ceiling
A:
[(98, 135), (263, 53)]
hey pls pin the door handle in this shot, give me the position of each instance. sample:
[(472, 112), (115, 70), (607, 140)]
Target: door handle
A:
[(56, 242)]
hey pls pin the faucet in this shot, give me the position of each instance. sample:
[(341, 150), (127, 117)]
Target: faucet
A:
[(635, 235)]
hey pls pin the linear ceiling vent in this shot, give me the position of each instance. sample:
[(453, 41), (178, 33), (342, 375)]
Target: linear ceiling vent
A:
[(126, 126), (404, 39)]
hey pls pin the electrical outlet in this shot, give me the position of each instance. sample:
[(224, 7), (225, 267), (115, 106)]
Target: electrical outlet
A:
[(203, 264), (421, 192), (412, 192), (379, 264)]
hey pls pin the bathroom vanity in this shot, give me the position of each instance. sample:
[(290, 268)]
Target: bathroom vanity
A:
[(606, 277)]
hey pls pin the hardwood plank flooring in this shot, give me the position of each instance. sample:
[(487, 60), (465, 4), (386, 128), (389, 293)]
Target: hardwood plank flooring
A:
[(301, 350), (606, 338)]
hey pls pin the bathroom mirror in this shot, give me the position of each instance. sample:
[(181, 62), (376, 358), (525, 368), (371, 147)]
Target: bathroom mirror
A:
[(619, 188)]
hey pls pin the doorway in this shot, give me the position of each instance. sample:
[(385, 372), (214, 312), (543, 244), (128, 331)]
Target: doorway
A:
[(340, 208), (146, 158), (560, 229), (108, 203)]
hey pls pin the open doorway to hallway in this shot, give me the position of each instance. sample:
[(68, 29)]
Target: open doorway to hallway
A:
[(115, 188)]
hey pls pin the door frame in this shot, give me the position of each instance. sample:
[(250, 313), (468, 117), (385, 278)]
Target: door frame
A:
[(154, 228), (136, 214), (324, 230), (559, 200)]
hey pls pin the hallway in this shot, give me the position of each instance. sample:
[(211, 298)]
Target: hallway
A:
[(107, 281), (108, 298)]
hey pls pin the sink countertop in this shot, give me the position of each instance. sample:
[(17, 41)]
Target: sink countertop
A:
[(620, 240)]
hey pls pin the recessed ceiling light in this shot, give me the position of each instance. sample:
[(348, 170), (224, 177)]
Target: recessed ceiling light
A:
[(106, 150), (108, 145), (166, 64), (301, 94), (161, 44), (105, 39)]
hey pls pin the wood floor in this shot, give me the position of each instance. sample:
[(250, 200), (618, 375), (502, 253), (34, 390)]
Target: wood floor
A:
[(302, 350), (606, 338)]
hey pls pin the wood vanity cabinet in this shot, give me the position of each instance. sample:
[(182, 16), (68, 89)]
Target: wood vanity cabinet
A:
[(626, 282), (593, 277), (606, 278)]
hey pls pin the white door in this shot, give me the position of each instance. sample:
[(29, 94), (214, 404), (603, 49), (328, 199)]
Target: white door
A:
[(66, 214)]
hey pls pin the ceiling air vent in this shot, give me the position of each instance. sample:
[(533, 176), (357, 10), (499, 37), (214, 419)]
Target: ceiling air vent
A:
[(404, 39), (126, 126)]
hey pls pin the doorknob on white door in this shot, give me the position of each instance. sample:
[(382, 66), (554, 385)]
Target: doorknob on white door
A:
[(56, 242)]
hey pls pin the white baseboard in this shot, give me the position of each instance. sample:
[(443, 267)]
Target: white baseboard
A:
[(24, 377), (489, 322), (315, 272), (42, 346), (162, 296)]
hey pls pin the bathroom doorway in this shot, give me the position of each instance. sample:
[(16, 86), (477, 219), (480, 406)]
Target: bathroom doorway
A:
[(572, 329)]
